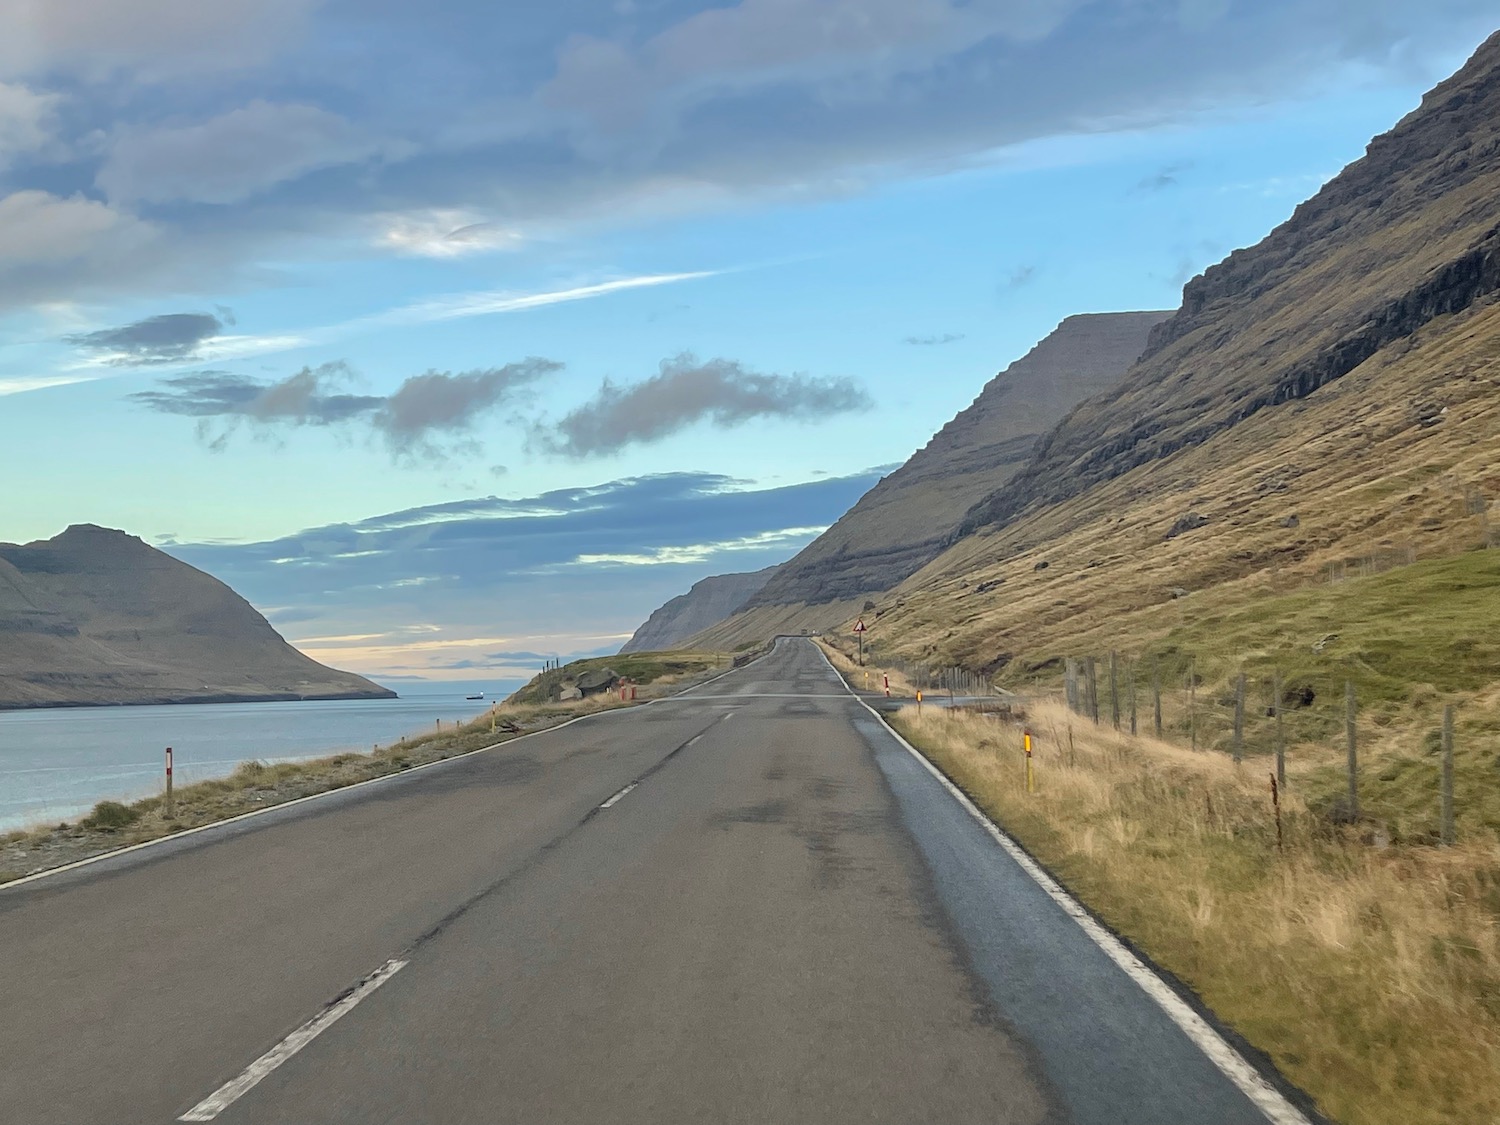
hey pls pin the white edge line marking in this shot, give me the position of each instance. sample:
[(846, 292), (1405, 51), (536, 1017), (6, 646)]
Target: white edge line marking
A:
[(616, 798), (186, 832), (236, 1088), (1265, 1097)]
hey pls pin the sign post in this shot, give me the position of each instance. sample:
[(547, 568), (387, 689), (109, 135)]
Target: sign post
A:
[(859, 631)]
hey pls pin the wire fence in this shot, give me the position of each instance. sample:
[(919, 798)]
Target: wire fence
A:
[(1261, 716)]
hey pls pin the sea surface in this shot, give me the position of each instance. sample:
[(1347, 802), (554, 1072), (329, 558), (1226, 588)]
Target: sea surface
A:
[(56, 763)]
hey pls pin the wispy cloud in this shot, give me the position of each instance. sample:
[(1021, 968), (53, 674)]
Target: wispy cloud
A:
[(495, 302), (1163, 179), (168, 338), (701, 552), (442, 233), (1018, 278), (20, 384), (192, 338), (933, 341)]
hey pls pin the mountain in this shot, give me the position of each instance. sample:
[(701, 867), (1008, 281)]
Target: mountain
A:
[(706, 604), (95, 616), (1405, 236), (1324, 405), (905, 520)]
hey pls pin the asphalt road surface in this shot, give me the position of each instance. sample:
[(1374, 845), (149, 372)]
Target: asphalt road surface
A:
[(785, 917)]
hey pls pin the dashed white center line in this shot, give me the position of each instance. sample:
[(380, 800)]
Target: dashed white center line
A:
[(619, 795), (236, 1088)]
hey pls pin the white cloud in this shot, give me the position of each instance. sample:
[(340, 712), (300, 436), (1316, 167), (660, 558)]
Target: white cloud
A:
[(765, 42), (24, 383), (41, 229), (442, 233), (574, 118), (702, 552), (154, 38), (231, 157), (490, 302), (26, 120)]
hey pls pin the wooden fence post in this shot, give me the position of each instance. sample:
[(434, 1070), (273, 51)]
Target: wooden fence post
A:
[(1130, 680), (1192, 678), (1239, 719), (1156, 692), (1114, 689), (1280, 730), (1350, 713), (1449, 829), (1093, 670)]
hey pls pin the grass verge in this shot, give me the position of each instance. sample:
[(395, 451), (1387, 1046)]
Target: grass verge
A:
[(659, 669), (1371, 976)]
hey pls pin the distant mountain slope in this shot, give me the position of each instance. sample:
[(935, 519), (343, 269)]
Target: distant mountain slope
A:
[(906, 519), (95, 616), (709, 602), (1407, 234)]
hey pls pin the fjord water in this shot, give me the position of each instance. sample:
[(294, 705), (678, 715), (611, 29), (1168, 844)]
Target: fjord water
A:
[(57, 762)]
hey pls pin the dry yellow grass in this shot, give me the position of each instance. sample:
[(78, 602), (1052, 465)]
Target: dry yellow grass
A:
[(870, 675), (1370, 975)]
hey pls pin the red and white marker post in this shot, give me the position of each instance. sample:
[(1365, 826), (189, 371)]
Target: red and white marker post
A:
[(170, 811)]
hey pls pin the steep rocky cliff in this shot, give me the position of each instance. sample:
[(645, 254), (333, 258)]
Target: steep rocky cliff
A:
[(1407, 234), (906, 519), (709, 602), (95, 616)]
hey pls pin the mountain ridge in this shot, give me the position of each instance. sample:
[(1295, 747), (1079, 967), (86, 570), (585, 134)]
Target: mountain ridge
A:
[(96, 617), (910, 516), (708, 602), (1363, 264)]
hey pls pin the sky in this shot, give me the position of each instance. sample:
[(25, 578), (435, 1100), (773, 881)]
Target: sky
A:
[(456, 336)]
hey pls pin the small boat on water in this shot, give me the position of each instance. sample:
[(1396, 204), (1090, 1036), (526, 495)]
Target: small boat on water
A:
[(479, 696)]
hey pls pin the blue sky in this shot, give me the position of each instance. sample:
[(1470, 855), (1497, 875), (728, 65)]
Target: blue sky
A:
[(454, 333)]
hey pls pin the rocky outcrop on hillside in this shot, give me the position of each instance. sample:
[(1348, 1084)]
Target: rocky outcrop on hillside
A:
[(705, 605), (95, 616), (1407, 234), (905, 520)]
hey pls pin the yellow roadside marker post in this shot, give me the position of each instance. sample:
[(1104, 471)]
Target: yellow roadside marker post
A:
[(919, 703), (1030, 771)]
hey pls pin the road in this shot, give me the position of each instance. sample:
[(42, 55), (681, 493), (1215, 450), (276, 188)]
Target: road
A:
[(785, 917)]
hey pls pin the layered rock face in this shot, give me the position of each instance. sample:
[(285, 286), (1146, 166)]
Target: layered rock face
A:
[(1407, 234), (705, 605), (95, 616), (910, 516)]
